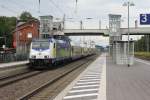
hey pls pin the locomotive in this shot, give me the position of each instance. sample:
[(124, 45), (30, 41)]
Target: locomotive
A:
[(54, 50)]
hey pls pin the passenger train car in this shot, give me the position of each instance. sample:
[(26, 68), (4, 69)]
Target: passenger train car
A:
[(51, 51)]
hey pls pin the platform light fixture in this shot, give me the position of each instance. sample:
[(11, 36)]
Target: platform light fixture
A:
[(128, 4)]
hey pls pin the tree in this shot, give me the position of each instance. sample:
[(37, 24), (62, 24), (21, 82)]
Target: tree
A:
[(25, 16), (141, 45), (7, 25)]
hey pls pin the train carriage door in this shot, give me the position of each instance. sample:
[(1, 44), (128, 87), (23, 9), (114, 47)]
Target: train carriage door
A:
[(54, 50), (70, 49)]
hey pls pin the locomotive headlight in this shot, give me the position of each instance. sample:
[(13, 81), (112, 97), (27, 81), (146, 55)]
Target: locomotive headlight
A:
[(33, 56)]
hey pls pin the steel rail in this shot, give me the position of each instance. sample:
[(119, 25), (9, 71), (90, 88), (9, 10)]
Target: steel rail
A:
[(37, 90)]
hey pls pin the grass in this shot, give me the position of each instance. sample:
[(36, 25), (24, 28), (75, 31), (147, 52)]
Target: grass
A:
[(143, 55)]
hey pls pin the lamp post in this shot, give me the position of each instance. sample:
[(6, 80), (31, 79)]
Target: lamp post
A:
[(128, 4)]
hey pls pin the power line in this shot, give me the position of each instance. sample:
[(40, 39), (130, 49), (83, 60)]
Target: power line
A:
[(4, 7), (39, 8), (23, 7), (56, 6), (67, 8), (17, 4), (54, 12), (39, 1), (60, 9)]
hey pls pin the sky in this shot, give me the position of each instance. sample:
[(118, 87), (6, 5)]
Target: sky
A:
[(97, 10)]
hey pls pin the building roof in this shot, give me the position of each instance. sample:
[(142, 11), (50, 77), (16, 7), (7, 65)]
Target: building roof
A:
[(22, 23), (26, 23)]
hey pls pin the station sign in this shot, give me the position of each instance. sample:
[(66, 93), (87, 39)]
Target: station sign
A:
[(144, 19)]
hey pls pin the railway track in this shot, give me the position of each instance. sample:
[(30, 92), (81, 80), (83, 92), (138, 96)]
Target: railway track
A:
[(25, 73), (6, 73), (21, 76), (2, 78), (54, 80), (30, 84)]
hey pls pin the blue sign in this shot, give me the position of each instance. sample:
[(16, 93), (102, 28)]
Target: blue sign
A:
[(145, 19)]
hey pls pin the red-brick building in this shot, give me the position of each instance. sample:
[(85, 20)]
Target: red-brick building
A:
[(26, 32)]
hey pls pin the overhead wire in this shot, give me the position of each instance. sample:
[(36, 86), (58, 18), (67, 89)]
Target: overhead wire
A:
[(52, 10), (8, 9), (62, 7), (23, 7), (60, 10), (67, 8)]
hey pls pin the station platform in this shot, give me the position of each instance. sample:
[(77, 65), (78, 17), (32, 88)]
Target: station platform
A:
[(104, 80), (89, 85), (128, 83), (10, 64)]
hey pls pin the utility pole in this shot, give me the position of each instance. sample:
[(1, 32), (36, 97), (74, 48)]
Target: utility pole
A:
[(76, 6), (64, 21), (99, 24), (17, 37), (39, 5), (136, 24), (81, 25)]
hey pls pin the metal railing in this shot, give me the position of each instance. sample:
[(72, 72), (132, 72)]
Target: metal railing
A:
[(11, 57)]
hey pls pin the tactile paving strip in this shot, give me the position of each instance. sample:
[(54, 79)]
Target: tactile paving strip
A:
[(87, 88)]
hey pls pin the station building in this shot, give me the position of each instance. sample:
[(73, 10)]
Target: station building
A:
[(25, 32)]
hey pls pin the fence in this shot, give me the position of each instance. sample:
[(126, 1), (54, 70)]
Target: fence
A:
[(10, 57)]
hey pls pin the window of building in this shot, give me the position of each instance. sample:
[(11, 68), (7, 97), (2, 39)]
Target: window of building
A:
[(29, 35)]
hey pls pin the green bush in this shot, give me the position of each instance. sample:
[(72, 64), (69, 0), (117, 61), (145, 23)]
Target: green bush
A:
[(142, 55)]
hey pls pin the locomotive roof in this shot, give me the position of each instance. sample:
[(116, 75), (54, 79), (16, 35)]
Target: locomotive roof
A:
[(49, 40), (40, 40)]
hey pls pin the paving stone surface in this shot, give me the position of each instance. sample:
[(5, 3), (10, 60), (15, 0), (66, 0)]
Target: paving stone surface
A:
[(128, 83)]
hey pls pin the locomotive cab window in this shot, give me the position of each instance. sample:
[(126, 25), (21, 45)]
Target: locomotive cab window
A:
[(40, 45)]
